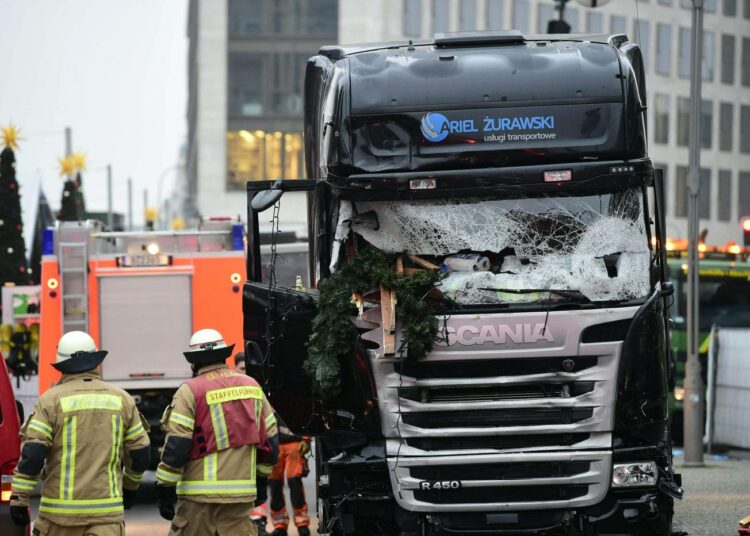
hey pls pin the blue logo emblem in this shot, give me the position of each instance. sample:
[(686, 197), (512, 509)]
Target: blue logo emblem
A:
[(435, 127)]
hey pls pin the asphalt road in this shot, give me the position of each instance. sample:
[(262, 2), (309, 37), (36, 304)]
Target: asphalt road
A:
[(716, 497)]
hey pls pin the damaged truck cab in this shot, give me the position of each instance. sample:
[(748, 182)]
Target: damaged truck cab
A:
[(516, 166)]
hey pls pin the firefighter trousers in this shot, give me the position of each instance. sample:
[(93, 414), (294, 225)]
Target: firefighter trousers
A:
[(212, 519), (43, 527)]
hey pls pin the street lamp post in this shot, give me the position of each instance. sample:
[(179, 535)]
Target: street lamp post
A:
[(693, 401)]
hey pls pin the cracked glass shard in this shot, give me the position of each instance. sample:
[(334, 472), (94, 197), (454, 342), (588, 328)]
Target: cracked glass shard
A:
[(595, 244)]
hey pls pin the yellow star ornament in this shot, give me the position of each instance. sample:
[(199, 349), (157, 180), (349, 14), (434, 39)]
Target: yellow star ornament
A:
[(67, 166), (79, 161), (11, 136)]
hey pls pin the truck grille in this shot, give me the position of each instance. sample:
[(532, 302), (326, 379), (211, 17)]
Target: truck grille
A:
[(523, 427)]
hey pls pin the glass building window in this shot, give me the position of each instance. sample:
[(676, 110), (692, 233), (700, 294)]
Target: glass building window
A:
[(707, 123), (683, 121), (725, 195), (744, 197), (545, 13), (709, 6), (726, 126), (441, 16), (468, 18), (661, 118), (745, 72), (618, 24), (684, 53), (681, 193), (594, 22), (262, 155), (413, 17), (729, 8), (294, 18), (322, 17), (746, 9), (727, 58), (745, 129), (663, 62), (642, 35), (521, 15), (495, 14), (709, 55), (246, 17), (571, 17), (704, 196), (245, 84), (665, 2)]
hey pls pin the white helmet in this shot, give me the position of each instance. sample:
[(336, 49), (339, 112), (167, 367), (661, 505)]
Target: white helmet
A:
[(208, 346), (77, 352)]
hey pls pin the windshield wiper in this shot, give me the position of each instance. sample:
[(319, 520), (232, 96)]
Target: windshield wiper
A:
[(573, 295)]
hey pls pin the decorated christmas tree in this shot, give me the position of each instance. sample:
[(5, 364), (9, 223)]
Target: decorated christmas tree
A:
[(72, 205), (13, 267)]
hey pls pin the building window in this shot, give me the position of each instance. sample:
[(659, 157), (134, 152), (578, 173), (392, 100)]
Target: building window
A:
[(441, 16), (642, 34), (571, 17), (661, 118), (413, 17), (709, 55), (684, 54), (727, 59), (495, 14), (745, 72), (729, 8), (468, 15), (246, 17), (745, 129), (322, 17), (665, 2), (252, 18), (521, 15), (683, 121), (744, 197), (746, 9), (709, 6), (245, 84), (664, 49), (545, 13), (725, 195), (263, 155), (681, 193), (707, 123), (594, 22), (704, 196), (726, 126), (618, 24)]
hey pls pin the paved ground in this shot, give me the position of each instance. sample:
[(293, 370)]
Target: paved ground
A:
[(716, 497)]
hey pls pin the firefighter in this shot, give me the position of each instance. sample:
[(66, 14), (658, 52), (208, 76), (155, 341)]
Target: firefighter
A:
[(77, 434), (292, 463), (219, 427)]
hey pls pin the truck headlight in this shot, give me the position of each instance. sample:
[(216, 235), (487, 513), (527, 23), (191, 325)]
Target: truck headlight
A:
[(628, 475)]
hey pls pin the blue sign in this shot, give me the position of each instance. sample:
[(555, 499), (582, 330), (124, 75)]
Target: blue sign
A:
[(435, 127)]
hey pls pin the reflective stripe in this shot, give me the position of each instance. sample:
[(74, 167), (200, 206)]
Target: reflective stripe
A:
[(203, 487), (209, 466), (270, 421), (253, 454), (90, 401), (220, 427), (84, 506), (167, 476), (134, 431), (67, 476), (114, 456), (182, 420), (23, 484), (42, 428), (228, 394), (133, 476)]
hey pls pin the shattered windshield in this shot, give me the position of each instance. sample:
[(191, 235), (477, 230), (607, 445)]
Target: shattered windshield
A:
[(592, 246)]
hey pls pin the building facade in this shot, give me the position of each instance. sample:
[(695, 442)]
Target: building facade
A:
[(247, 62), (246, 72)]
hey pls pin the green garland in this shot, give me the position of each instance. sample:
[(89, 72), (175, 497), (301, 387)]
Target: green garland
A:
[(334, 336)]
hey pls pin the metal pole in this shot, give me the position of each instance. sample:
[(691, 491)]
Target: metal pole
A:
[(110, 216), (130, 204), (693, 400), (68, 145)]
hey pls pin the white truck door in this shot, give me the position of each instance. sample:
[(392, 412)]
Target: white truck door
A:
[(145, 324)]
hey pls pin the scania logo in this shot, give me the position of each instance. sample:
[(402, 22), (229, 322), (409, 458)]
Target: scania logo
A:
[(499, 334), (435, 127)]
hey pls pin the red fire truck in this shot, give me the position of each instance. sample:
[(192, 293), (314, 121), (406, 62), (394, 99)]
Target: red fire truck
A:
[(141, 295)]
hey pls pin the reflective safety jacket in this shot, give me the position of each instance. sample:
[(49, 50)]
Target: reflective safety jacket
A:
[(214, 426), (87, 428)]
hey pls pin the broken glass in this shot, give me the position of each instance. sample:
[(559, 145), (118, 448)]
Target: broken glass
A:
[(594, 244)]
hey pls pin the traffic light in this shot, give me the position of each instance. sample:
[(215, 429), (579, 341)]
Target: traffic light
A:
[(745, 224)]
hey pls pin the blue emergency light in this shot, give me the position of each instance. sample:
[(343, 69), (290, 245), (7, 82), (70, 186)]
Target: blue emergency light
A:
[(238, 233), (48, 241)]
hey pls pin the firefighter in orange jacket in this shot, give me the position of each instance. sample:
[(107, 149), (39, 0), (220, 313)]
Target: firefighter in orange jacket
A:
[(219, 427)]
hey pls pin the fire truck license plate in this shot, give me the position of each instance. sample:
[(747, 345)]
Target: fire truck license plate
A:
[(144, 260), (439, 485)]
